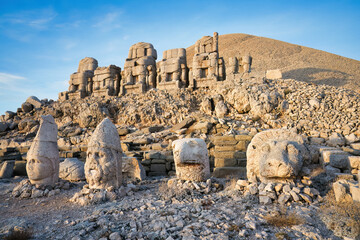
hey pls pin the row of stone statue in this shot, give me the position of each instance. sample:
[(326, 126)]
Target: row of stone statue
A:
[(141, 72), (103, 166)]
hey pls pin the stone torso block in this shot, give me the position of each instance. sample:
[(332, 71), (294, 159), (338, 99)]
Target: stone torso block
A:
[(107, 80), (172, 69), (191, 159), (80, 84), (136, 68)]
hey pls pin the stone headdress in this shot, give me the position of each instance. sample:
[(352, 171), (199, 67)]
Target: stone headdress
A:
[(105, 136)]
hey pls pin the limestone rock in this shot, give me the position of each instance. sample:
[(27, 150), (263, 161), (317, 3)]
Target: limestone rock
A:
[(26, 107), (206, 106), (275, 154), (273, 74), (3, 126), (336, 139), (43, 156), (6, 169), (34, 101), (131, 167), (221, 109), (191, 159), (72, 169), (187, 122), (103, 162), (91, 115)]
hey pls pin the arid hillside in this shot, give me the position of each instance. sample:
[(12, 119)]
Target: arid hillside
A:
[(296, 62)]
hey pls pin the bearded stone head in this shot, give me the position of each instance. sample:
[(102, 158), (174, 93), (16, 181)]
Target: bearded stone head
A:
[(104, 155)]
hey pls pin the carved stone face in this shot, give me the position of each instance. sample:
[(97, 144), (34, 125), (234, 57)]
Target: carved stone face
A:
[(39, 168), (280, 159), (191, 159), (102, 167), (275, 155)]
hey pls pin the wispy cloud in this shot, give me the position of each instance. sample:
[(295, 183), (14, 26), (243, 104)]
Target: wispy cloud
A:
[(109, 22), (7, 78), (35, 19)]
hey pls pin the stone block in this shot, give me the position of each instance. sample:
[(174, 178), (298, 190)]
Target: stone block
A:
[(224, 148), (243, 137), (355, 146), (224, 140), (265, 200), (343, 176), (239, 155), (339, 161), (158, 161), (355, 192), (187, 122), (229, 154), (273, 74), (325, 155), (20, 168), (158, 168), (34, 101), (156, 174), (354, 162), (222, 172), (241, 162), (340, 192), (242, 145), (6, 169), (225, 162)]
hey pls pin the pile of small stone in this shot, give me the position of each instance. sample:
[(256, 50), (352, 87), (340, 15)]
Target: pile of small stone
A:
[(281, 193), (89, 196), (211, 185), (27, 190)]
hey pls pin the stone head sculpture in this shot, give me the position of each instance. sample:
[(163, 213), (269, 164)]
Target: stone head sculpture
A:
[(191, 159), (87, 64), (103, 161), (42, 164), (276, 155)]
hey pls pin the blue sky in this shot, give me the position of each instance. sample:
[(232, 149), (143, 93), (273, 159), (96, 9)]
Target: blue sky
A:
[(41, 42)]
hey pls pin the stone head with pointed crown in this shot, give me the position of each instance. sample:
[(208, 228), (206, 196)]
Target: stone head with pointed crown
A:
[(42, 164), (104, 157)]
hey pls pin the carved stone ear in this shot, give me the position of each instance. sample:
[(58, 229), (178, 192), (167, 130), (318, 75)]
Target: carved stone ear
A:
[(292, 149), (265, 147)]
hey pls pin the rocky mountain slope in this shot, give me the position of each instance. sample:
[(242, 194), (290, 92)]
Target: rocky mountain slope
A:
[(296, 62)]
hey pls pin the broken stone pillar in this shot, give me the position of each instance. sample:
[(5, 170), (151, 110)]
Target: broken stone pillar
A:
[(245, 64), (106, 81), (104, 157), (238, 66), (191, 159), (207, 67), (42, 164), (80, 84), (137, 76), (172, 70), (275, 156)]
